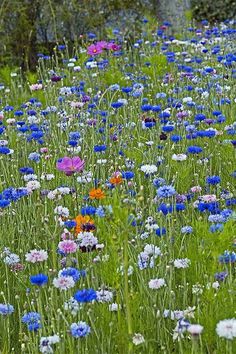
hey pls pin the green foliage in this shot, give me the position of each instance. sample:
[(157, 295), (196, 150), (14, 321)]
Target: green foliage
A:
[(218, 10)]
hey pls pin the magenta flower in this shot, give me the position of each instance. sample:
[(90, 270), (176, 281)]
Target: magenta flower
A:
[(94, 49), (113, 46), (70, 165)]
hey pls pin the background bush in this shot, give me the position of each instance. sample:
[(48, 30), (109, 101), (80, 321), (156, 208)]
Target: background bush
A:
[(28, 27)]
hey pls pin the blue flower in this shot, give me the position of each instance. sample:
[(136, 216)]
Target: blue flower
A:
[(194, 150), (39, 279), (216, 227), (34, 156), (166, 192), (99, 148), (161, 231), (32, 319), (70, 224), (4, 203), (4, 150), (72, 272), (127, 174), (85, 295), (213, 180), (227, 257), (88, 210), (186, 230), (6, 309), (221, 276), (80, 329), (100, 212)]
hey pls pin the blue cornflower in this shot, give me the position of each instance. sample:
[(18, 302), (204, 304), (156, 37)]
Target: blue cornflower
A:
[(26, 170), (4, 150), (6, 309), (216, 227), (4, 203), (157, 182), (32, 319), (88, 210), (166, 192), (85, 295), (221, 276), (39, 279), (100, 212), (217, 218), (74, 135), (165, 208), (227, 257), (161, 231), (34, 156), (80, 329), (127, 174), (70, 224), (186, 230), (213, 180), (71, 272), (117, 104), (194, 150), (99, 148)]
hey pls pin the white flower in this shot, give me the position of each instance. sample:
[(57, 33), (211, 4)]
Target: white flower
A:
[(47, 177), (156, 283), (36, 256), (179, 157), (11, 259), (32, 186), (46, 342), (195, 329), (63, 283), (104, 296), (86, 177), (63, 190), (62, 211), (182, 263), (87, 239), (149, 169), (72, 305), (216, 285), (226, 328), (54, 194), (114, 307), (138, 339), (30, 177), (151, 249)]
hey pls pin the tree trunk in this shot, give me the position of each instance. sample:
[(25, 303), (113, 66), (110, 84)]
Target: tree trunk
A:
[(173, 11)]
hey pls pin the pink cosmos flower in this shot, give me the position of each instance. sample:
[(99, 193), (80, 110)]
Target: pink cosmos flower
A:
[(67, 246), (113, 46), (70, 165), (94, 49)]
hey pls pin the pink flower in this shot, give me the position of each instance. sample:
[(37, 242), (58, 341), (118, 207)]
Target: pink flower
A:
[(67, 246), (94, 49), (113, 46), (102, 44), (70, 165)]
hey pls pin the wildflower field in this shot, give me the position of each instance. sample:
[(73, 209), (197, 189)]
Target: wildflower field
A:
[(117, 196)]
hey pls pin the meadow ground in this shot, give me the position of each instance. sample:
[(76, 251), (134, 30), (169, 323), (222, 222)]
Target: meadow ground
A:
[(117, 196)]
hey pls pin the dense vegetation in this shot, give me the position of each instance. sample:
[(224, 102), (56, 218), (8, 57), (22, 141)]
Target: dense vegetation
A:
[(118, 195)]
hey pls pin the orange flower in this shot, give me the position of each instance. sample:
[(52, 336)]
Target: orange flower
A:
[(116, 180), (81, 221), (96, 194)]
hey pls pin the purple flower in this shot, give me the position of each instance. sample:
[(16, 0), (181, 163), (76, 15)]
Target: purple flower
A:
[(70, 165)]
